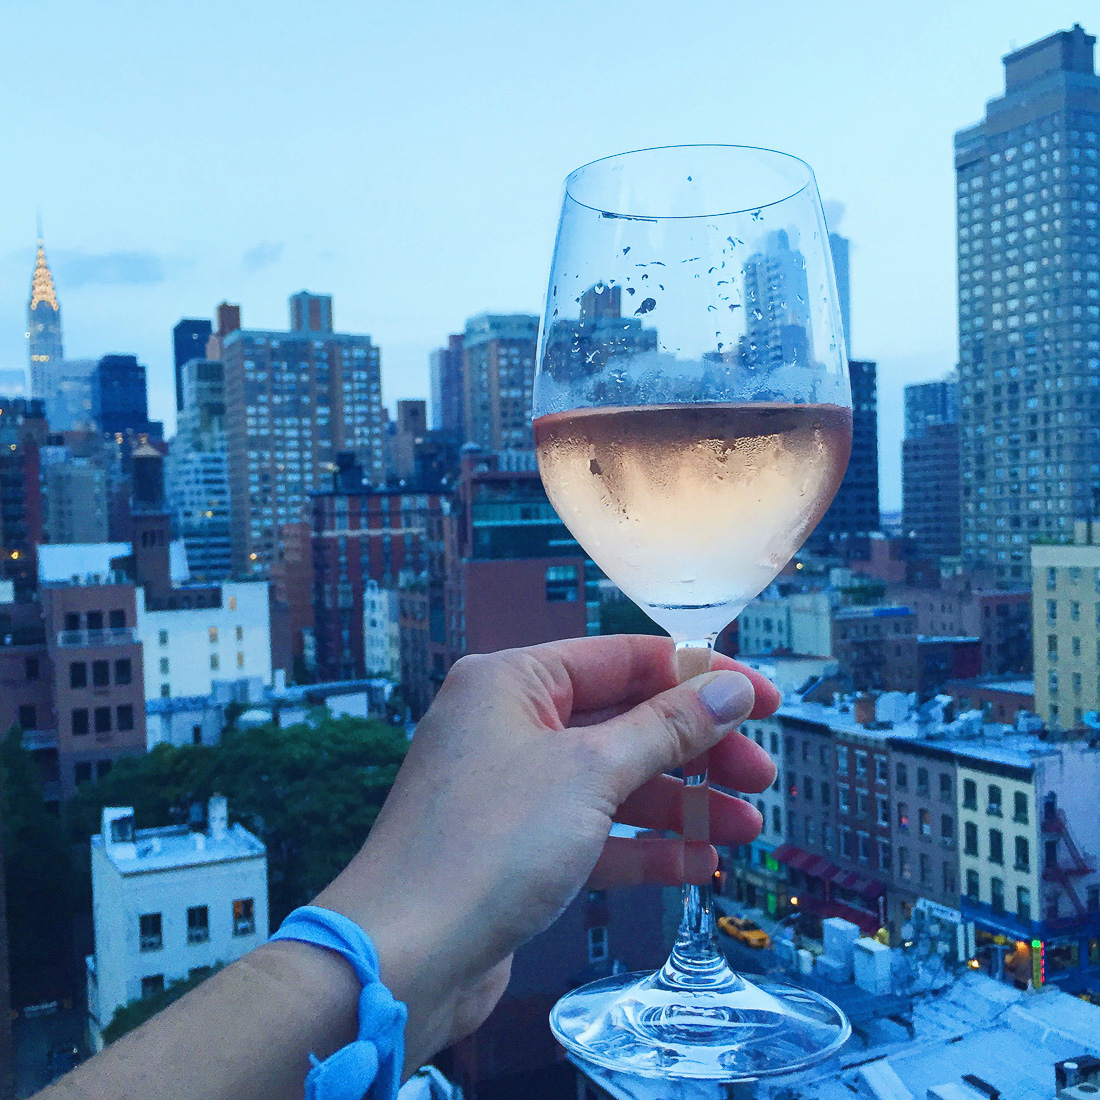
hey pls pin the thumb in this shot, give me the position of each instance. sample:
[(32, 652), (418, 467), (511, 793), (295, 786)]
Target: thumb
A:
[(672, 728)]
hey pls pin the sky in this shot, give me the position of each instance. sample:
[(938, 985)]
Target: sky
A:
[(407, 157)]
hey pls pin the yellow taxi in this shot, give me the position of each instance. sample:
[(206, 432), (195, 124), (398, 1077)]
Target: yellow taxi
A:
[(745, 931)]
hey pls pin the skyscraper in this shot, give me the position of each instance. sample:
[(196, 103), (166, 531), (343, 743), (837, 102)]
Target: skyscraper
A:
[(931, 484), (120, 397), (928, 403), (1027, 193), (840, 248), (853, 516), (43, 328), (446, 380), (188, 342), (292, 401), (498, 368), (776, 298)]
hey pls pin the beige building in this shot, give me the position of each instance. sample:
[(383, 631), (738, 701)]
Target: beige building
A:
[(797, 623), (1066, 627)]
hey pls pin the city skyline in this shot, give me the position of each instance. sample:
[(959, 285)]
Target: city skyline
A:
[(440, 204)]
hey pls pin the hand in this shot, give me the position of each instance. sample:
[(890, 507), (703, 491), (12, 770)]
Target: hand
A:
[(501, 811)]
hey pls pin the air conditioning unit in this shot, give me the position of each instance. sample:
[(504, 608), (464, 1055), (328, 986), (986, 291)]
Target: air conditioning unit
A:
[(1084, 1091)]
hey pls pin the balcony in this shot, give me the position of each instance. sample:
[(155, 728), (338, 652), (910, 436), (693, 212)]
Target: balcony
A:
[(39, 739), (115, 635)]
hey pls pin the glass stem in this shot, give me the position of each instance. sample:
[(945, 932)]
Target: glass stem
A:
[(697, 962)]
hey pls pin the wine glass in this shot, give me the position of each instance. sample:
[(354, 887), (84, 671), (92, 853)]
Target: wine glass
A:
[(692, 417)]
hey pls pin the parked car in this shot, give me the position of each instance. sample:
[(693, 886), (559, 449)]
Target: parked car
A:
[(745, 931)]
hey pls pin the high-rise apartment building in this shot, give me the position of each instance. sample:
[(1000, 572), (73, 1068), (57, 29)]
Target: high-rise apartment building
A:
[(1027, 197), (293, 400), (43, 328), (197, 471), (69, 402), (931, 479), (1066, 627), (446, 382), (498, 362), (853, 517), (189, 339)]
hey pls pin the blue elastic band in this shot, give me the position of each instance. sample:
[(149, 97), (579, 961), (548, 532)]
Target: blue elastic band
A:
[(376, 1057)]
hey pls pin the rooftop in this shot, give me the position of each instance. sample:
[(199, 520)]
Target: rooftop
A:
[(175, 846)]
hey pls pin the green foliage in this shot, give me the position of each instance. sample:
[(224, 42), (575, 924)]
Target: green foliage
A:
[(626, 617), (39, 880), (311, 794), (134, 1013)]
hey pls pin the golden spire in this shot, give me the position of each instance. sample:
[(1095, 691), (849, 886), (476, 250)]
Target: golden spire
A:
[(42, 282)]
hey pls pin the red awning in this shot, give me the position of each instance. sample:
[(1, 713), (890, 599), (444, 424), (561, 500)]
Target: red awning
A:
[(868, 923), (861, 884), (801, 860)]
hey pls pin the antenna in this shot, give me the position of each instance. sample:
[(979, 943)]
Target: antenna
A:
[(38, 223)]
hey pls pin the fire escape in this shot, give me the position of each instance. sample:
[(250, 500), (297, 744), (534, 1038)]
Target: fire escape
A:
[(1063, 863)]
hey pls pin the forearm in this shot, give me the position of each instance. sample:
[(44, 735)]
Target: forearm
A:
[(244, 1034)]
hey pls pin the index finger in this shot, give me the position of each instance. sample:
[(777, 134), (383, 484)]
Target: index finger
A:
[(622, 670)]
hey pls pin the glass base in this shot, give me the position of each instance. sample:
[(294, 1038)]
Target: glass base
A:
[(638, 1024)]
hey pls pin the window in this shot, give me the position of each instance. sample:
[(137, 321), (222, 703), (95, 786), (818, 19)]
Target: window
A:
[(973, 885), (95, 620), (124, 717), (103, 768), (997, 894), (842, 759), (862, 804), (213, 633), (905, 869), (166, 691), (924, 818), (946, 793), (805, 751), (825, 794), (922, 781), (970, 838), (240, 634), (861, 763), (198, 926), (970, 794), (949, 878), (561, 584), (80, 721), (996, 846), (101, 674), (30, 668), (162, 637), (215, 662), (244, 923), (82, 772), (196, 735), (28, 717), (901, 776), (903, 815), (152, 985), (883, 808), (1052, 611), (1092, 899), (149, 937), (1023, 854), (864, 848), (102, 719), (924, 868), (810, 830), (123, 671), (808, 788), (232, 603), (240, 660), (1023, 903), (777, 820), (845, 835), (116, 619), (884, 855), (597, 944), (1019, 807), (881, 770), (164, 666), (72, 620), (843, 794), (947, 830), (78, 674), (994, 806)]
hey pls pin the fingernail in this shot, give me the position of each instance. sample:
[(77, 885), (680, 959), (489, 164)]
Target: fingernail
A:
[(728, 696)]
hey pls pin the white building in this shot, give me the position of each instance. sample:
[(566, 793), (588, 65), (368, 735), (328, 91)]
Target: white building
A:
[(168, 904), (381, 631), (187, 649), (798, 623)]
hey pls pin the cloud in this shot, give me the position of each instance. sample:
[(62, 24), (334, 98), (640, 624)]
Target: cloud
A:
[(834, 214), (77, 268), (264, 254)]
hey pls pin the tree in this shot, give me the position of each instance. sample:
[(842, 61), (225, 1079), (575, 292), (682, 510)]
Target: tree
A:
[(39, 881), (310, 792)]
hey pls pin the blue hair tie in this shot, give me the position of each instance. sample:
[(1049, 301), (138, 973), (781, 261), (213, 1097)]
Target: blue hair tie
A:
[(375, 1059)]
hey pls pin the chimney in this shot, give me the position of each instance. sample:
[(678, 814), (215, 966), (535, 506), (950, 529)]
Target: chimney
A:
[(217, 816), (865, 709)]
